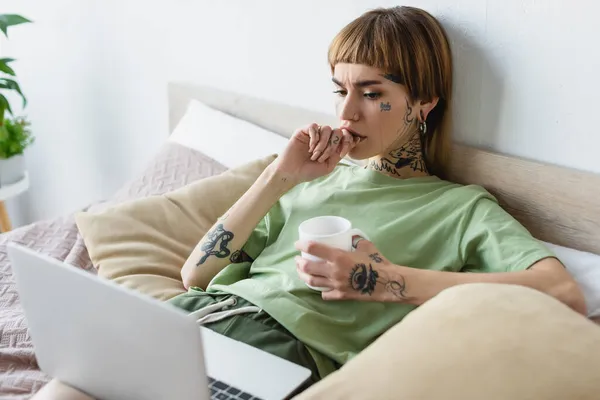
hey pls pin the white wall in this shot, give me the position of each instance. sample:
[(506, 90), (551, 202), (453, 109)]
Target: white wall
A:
[(96, 72)]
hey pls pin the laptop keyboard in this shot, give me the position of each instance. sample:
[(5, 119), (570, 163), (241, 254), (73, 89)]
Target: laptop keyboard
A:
[(222, 391)]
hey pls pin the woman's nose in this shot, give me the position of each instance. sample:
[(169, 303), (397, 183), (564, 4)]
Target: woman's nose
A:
[(348, 111)]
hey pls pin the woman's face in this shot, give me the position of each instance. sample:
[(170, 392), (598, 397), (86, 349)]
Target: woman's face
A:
[(374, 108)]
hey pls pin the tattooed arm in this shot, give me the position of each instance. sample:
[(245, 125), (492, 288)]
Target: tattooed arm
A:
[(366, 275), (222, 244), (547, 275)]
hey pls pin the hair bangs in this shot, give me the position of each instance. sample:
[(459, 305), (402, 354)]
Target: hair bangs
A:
[(366, 41)]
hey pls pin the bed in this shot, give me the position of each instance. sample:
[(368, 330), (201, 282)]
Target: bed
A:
[(558, 205)]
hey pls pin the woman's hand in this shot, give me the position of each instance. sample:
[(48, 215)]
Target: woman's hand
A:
[(360, 275), (312, 152)]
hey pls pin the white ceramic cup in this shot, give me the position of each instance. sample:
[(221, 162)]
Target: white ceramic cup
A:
[(330, 230)]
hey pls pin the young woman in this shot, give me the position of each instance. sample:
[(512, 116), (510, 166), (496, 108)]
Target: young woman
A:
[(392, 79)]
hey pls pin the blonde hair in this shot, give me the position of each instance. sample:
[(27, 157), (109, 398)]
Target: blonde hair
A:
[(410, 44)]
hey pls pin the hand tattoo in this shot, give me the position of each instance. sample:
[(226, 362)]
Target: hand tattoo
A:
[(376, 257), (218, 236), (334, 139), (363, 280)]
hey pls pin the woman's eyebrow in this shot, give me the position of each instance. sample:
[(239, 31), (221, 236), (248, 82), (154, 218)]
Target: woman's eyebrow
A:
[(361, 84)]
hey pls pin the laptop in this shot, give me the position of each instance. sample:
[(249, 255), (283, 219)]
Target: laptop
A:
[(113, 343)]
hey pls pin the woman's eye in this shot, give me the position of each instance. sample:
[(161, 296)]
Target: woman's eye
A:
[(372, 96), (340, 92)]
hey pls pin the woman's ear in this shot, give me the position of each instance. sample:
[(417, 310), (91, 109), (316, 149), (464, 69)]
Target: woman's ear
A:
[(426, 107)]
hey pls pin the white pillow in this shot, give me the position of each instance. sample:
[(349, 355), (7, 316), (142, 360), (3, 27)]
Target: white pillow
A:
[(224, 138), (585, 269)]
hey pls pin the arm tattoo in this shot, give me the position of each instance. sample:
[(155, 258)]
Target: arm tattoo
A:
[(240, 256), (397, 288), (363, 279), (385, 106), (217, 239)]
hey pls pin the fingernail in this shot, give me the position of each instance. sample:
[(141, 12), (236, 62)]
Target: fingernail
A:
[(315, 155)]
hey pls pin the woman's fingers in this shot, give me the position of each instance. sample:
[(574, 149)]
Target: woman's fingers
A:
[(348, 143), (321, 146), (333, 146), (325, 141), (313, 133), (313, 273)]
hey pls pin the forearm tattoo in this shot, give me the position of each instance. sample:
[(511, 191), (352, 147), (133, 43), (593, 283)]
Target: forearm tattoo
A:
[(240, 256), (364, 279), (216, 244)]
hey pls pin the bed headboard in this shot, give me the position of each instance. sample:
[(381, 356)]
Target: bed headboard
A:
[(556, 204)]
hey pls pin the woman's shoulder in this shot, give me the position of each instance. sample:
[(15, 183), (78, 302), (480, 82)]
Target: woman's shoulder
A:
[(467, 190), (464, 197)]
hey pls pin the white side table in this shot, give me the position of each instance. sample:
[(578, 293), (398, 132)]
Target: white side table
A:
[(7, 192)]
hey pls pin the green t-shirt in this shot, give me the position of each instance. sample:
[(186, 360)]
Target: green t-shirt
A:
[(422, 223)]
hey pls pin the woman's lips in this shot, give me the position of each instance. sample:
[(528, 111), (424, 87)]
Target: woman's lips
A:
[(355, 135)]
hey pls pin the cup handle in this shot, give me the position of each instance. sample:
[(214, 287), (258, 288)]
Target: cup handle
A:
[(354, 232)]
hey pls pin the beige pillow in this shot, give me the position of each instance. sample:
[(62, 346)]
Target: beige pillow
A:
[(143, 244), (478, 341)]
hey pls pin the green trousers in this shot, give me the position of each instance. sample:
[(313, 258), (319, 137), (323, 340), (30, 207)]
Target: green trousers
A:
[(258, 329)]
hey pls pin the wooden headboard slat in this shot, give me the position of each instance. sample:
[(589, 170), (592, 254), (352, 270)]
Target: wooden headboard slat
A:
[(556, 204)]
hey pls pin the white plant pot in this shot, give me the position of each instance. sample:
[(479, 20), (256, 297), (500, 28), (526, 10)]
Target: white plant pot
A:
[(12, 170)]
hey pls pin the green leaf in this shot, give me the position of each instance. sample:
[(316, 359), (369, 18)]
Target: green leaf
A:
[(7, 20), (4, 105), (15, 137), (4, 66), (12, 85)]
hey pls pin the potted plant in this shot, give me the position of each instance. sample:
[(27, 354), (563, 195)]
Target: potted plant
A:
[(15, 134)]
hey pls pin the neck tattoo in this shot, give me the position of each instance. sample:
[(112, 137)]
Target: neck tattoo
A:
[(404, 162)]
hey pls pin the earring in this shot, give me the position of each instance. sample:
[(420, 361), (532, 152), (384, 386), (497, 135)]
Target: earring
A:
[(423, 128), (422, 125)]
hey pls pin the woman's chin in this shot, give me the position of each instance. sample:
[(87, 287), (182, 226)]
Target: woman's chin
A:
[(360, 153)]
